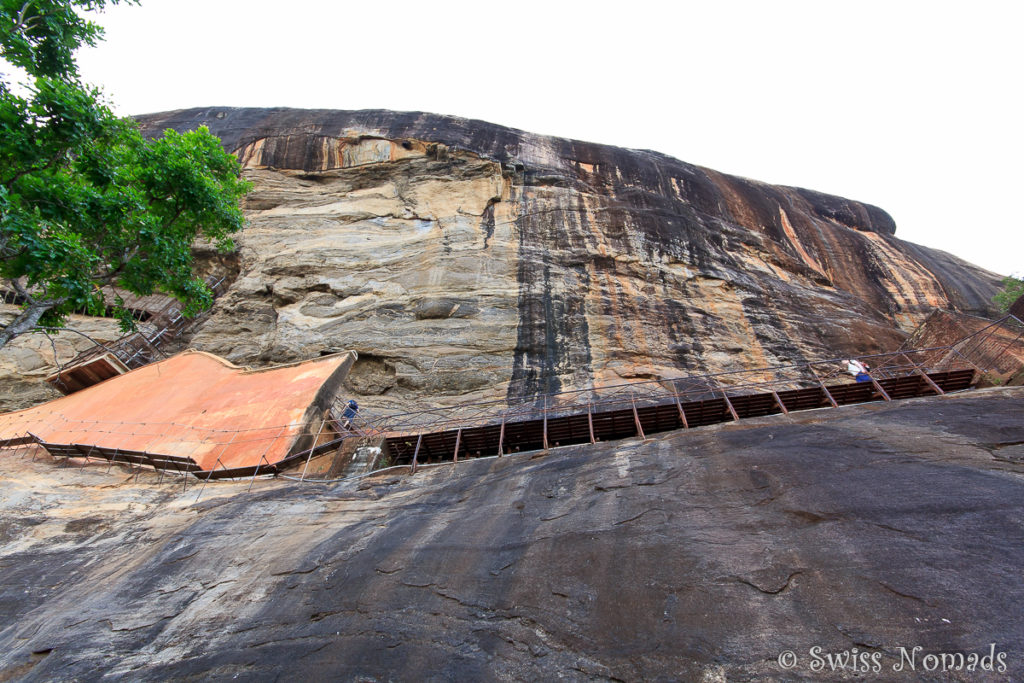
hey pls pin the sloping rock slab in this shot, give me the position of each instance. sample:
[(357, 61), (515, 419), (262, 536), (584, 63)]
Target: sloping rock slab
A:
[(703, 554)]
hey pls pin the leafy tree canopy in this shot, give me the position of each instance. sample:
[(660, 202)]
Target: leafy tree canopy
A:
[(87, 201), (1013, 289)]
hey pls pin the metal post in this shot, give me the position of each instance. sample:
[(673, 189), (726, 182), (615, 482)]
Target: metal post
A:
[(682, 413), (209, 475), (257, 470), (879, 389), (779, 403), (23, 447), (636, 418), (113, 459), (224, 448), (416, 453), (545, 423), (828, 395), (935, 387), (590, 422), (312, 448), (728, 404), (264, 456)]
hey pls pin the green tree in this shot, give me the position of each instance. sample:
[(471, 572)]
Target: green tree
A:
[(85, 200), (1013, 289)]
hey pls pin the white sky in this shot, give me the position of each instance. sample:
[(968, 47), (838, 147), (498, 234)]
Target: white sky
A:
[(913, 106)]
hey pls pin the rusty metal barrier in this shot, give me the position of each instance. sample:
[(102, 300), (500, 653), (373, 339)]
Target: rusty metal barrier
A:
[(587, 415)]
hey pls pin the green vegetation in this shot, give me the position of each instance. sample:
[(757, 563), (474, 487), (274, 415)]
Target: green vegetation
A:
[(85, 200), (1013, 288)]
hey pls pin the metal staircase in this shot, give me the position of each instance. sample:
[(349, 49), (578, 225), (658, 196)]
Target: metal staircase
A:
[(165, 324)]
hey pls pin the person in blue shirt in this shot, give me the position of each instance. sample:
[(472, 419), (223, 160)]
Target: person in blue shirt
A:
[(351, 410)]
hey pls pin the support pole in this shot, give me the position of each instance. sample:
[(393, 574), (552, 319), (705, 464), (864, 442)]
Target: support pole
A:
[(22, 450), (312, 448), (224, 448), (917, 368), (728, 404), (257, 470), (879, 389), (208, 476), (416, 453), (682, 413), (113, 459), (636, 418), (458, 440), (545, 423), (779, 403), (264, 456), (501, 437), (590, 422), (828, 394)]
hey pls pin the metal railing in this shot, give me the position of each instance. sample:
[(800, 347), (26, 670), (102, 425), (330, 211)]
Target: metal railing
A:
[(982, 352), (731, 383), (164, 325)]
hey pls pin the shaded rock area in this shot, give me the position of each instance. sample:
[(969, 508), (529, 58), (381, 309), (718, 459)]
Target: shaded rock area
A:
[(477, 261), (696, 555)]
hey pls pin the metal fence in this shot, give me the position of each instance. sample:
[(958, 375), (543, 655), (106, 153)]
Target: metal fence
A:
[(996, 350)]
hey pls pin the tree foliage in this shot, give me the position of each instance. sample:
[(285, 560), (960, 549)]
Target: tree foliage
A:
[(1013, 289), (85, 200)]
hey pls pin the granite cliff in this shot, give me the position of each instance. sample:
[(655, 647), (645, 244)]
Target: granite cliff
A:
[(465, 260)]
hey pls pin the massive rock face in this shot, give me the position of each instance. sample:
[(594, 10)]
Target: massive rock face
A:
[(465, 259), (699, 555)]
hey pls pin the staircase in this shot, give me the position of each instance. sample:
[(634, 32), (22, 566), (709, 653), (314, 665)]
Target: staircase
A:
[(103, 361)]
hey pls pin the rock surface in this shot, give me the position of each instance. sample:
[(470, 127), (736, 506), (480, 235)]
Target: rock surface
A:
[(28, 360), (699, 555), (465, 260)]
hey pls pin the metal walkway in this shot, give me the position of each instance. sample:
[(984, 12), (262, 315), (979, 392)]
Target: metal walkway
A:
[(640, 420), (497, 428)]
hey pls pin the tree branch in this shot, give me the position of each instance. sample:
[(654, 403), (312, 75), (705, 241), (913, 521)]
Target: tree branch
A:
[(47, 330), (20, 289), (32, 169), (20, 21), (23, 322), (56, 359)]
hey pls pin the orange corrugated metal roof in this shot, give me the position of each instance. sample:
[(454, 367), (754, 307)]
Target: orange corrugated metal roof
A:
[(194, 405)]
